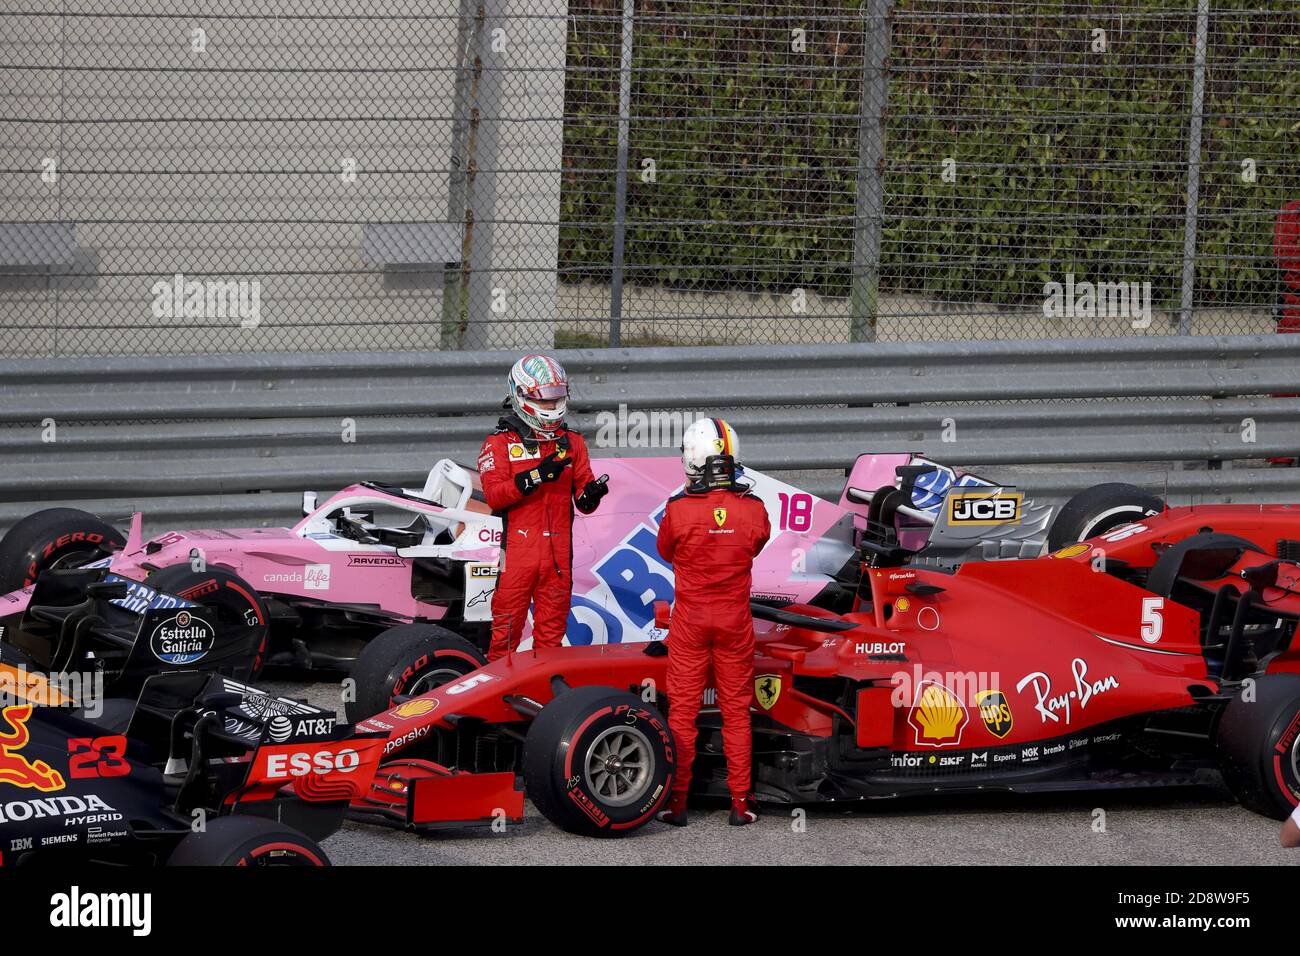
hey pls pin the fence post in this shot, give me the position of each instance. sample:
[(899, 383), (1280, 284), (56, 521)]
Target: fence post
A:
[(1185, 303), (869, 200), (476, 154), (454, 308), (620, 177)]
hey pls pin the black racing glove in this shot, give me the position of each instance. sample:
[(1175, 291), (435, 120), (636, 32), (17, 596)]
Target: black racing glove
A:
[(591, 495), (553, 466), (528, 481), (548, 469)]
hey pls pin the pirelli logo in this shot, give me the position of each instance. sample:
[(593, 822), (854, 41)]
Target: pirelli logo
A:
[(968, 508)]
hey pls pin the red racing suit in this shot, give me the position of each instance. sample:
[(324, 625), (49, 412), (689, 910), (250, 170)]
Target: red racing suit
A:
[(711, 540), (536, 533)]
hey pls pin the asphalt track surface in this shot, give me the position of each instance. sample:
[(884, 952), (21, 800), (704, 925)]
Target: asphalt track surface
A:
[(1185, 826)]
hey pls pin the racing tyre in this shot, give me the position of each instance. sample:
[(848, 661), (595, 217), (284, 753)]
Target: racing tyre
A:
[(408, 660), (247, 841), (1259, 746), (598, 761), (1098, 509), (234, 599), (53, 538)]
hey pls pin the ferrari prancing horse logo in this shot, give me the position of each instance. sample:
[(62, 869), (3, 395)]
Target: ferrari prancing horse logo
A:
[(720, 516), (767, 690)]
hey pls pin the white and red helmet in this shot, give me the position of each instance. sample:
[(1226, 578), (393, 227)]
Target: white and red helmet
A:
[(539, 377), (707, 438)]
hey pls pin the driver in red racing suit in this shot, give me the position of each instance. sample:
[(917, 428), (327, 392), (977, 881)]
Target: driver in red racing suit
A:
[(711, 534), (534, 470)]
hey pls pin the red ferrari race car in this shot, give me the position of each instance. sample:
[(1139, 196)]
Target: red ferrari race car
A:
[(1158, 652)]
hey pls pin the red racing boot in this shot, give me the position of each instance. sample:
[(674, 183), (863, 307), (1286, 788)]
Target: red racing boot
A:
[(674, 812), (743, 812)]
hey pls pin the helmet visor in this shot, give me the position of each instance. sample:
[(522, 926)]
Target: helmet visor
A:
[(547, 393)]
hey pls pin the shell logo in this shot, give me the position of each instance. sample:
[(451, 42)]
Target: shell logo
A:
[(937, 716), (416, 708), (1072, 551)]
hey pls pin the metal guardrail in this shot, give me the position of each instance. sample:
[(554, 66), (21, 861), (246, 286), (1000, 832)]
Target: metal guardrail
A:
[(230, 439)]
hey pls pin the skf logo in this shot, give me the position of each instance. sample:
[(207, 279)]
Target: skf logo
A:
[(937, 716), (982, 508), (19, 771), (767, 690), (720, 516), (995, 711)]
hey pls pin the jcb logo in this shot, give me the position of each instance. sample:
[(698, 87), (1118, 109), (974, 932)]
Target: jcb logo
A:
[(1003, 508)]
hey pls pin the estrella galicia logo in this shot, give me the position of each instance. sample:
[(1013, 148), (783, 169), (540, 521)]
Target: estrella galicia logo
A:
[(182, 639)]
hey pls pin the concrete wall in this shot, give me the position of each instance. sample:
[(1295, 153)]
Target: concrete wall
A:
[(227, 164)]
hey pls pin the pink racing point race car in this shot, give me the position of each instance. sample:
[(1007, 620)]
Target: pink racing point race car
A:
[(373, 558)]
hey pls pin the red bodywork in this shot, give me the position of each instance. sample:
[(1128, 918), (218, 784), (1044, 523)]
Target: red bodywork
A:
[(1043, 656)]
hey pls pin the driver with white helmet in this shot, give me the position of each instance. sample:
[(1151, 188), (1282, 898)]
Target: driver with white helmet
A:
[(534, 470), (711, 534)]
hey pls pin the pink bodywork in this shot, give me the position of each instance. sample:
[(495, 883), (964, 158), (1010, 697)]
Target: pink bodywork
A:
[(617, 572)]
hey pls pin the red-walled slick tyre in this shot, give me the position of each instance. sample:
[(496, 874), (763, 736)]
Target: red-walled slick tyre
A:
[(51, 539), (247, 841), (598, 761)]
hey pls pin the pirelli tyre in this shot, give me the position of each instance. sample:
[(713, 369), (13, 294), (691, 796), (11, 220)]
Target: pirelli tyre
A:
[(247, 841), (598, 761), (50, 539), (1098, 509), (235, 600), (408, 660), (1259, 745)]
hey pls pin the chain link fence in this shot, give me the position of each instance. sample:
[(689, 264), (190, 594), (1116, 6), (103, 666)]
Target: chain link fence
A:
[(326, 175)]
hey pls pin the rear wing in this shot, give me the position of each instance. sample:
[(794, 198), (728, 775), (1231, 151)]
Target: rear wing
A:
[(988, 523), (233, 748), (91, 618)]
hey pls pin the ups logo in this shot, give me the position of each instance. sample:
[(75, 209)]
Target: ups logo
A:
[(1000, 508), (995, 712)]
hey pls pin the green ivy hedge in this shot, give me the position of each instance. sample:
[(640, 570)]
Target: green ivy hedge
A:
[(1066, 160)]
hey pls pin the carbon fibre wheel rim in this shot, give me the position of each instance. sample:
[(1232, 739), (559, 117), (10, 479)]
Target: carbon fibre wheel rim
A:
[(618, 766), (431, 679)]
